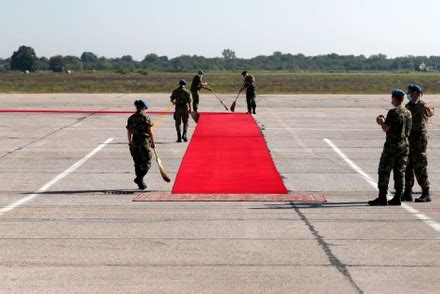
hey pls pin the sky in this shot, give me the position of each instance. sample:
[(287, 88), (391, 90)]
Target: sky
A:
[(114, 28)]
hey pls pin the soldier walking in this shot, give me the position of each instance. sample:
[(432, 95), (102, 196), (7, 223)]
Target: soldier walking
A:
[(140, 141), (418, 141), (397, 126), (196, 85), (250, 86), (182, 101)]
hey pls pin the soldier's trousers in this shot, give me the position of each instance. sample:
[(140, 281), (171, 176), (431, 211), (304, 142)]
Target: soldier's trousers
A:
[(195, 100), (141, 153), (418, 161), (181, 116), (251, 104), (394, 158)]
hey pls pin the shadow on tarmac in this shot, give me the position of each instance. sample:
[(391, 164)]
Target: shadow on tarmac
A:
[(106, 192), (293, 205)]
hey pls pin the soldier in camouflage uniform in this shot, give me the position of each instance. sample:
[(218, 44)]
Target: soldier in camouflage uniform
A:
[(397, 126), (182, 101), (140, 140), (250, 86), (196, 85), (418, 140)]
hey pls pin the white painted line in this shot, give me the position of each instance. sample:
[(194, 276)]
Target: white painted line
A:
[(52, 182), (427, 220)]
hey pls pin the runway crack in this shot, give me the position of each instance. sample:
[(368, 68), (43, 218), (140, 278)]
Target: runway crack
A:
[(46, 136), (334, 260)]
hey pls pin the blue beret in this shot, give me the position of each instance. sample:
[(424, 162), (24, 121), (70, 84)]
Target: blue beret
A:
[(415, 88), (398, 93), (182, 82)]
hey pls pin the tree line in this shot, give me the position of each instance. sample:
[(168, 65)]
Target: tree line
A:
[(25, 59)]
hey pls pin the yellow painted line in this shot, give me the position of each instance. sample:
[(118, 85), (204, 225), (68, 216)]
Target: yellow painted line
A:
[(161, 118)]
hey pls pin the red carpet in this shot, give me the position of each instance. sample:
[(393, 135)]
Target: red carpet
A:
[(228, 155)]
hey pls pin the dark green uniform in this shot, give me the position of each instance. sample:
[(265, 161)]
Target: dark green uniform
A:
[(396, 149), (195, 88), (251, 94), (418, 141), (182, 98), (139, 125)]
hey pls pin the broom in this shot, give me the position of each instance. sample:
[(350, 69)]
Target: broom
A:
[(162, 170), (195, 116), (234, 103), (221, 101)]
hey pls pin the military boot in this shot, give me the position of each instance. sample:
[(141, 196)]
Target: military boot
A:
[(381, 200), (407, 195), (185, 139), (426, 197), (396, 199), (139, 180), (179, 137)]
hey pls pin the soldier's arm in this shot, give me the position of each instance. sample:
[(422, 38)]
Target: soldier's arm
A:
[(386, 124), (189, 103), (129, 136), (385, 128), (242, 88), (150, 133), (430, 112)]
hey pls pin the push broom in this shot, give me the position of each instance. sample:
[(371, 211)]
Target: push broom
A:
[(221, 101), (234, 103), (162, 170)]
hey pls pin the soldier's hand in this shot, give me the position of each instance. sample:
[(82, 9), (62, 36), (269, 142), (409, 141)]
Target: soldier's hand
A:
[(153, 145), (430, 111), (380, 120)]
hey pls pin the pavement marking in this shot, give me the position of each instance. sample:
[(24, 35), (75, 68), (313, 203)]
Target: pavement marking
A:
[(426, 219), (56, 179), (160, 119)]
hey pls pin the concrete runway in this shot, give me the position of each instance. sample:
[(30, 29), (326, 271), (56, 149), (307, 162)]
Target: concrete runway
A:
[(77, 229)]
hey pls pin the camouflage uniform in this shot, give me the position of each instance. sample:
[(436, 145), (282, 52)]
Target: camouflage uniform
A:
[(195, 88), (139, 125), (182, 98), (249, 83), (418, 141), (396, 149)]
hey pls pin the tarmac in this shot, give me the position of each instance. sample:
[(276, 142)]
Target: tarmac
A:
[(68, 223)]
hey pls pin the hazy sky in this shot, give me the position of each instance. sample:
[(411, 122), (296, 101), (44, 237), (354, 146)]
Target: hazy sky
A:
[(205, 27)]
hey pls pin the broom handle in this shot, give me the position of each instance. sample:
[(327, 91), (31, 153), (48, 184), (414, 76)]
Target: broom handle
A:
[(155, 153), (215, 94)]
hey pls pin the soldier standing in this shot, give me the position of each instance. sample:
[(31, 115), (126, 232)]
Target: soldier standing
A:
[(196, 85), (397, 126), (418, 140), (140, 140), (250, 86), (182, 101)]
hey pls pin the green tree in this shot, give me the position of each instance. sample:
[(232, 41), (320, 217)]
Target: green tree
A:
[(228, 54), (56, 63), (23, 59), (73, 63), (89, 60), (42, 63)]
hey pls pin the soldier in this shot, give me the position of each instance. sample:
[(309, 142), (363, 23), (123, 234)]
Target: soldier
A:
[(249, 85), (196, 85), (418, 141), (182, 101), (140, 140), (397, 126)]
